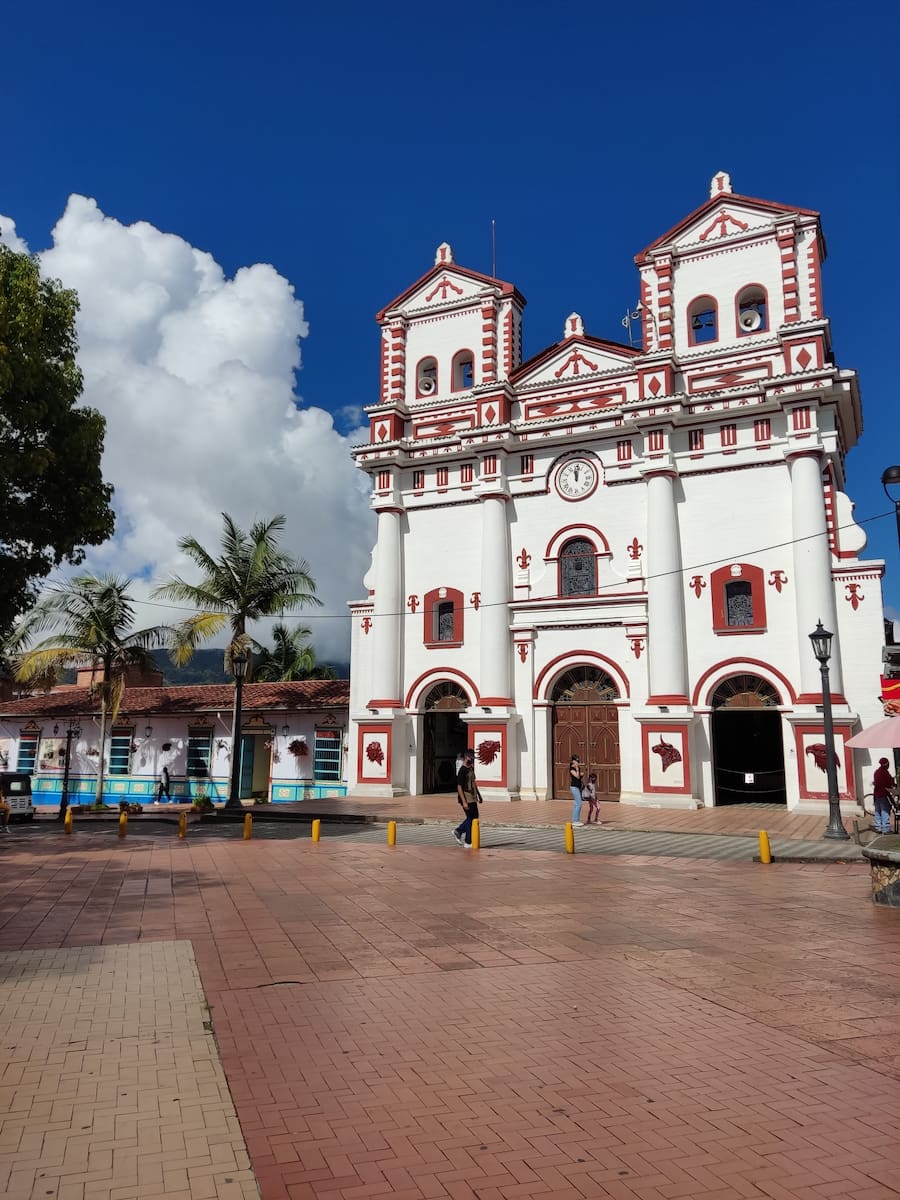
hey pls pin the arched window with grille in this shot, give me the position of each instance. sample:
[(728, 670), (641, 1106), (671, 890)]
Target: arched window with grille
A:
[(738, 599), (444, 618), (578, 568)]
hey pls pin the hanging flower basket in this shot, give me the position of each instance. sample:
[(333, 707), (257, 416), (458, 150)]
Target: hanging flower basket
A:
[(298, 748)]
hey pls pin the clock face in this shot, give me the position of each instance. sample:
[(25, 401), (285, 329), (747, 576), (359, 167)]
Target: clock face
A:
[(576, 479)]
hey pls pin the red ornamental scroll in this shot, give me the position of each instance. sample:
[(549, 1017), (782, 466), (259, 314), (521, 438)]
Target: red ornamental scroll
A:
[(374, 753), (488, 751)]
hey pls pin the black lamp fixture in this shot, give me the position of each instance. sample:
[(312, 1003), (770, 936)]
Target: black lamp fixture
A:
[(890, 479), (148, 731), (821, 644), (285, 730), (55, 730)]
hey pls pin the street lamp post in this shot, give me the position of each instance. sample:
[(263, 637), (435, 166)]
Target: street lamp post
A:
[(73, 731), (891, 479), (821, 644), (239, 665)]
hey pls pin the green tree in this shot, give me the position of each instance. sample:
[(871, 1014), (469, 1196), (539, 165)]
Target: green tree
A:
[(251, 578), (291, 657), (53, 501), (90, 619)]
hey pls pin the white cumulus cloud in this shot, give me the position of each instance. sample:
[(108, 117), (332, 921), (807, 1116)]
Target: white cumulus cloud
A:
[(194, 373)]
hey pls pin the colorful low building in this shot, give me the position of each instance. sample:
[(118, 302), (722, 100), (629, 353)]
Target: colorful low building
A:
[(293, 742)]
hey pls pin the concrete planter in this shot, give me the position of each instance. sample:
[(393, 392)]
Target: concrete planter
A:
[(884, 862)]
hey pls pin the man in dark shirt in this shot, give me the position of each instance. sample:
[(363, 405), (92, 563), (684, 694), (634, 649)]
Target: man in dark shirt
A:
[(468, 795)]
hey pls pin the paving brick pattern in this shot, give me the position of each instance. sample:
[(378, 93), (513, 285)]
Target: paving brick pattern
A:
[(426, 1022), (111, 1088)]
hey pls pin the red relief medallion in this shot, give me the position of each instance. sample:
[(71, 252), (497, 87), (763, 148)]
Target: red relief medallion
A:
[(637, 646), (366, 624), (635, 549), (668, 754), (819, 753), (698, 583), (488, 751), (523, 559), (443, 287), (854, 595), (777, 580), (575, 361), (523, 650), (475, 600), (412, 603), (374, 753)]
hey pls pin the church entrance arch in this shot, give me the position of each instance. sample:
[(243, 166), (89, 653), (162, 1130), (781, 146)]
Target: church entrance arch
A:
[(586, 723), (443, 736), (747, 743)]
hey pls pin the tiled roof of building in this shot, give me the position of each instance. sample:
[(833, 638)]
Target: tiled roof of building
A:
[(162, 701)]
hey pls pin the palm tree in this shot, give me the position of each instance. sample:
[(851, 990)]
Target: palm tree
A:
[(90, 617), (291, 657), (251, 578)]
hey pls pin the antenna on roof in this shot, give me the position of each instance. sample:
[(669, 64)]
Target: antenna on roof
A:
[(493, 248)]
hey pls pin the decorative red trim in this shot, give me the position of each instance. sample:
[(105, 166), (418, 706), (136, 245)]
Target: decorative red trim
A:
[(508, 700), (501, 734), (566, 532), (506, 289), (376, 703), (366, 734), (816, 698), (809, 773), (739, 663), (435, 675), (654, 730), (668, 698), (459, 358), (574, 658)]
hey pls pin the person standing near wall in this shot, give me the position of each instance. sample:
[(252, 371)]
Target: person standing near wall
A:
[(576, 787)]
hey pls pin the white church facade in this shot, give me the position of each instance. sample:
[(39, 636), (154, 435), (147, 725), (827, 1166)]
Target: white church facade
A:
[(619, 552)]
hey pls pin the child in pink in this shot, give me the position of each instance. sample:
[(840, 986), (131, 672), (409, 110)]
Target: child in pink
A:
[(590, 794)]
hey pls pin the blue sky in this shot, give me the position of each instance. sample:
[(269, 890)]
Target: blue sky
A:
[(342, 143)]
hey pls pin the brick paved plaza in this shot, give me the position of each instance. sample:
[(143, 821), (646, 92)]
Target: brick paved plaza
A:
[(428, 1022)]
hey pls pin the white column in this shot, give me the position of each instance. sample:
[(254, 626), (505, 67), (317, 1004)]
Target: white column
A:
[(388, 609), (496, 593), (813, 584), (665, 592)]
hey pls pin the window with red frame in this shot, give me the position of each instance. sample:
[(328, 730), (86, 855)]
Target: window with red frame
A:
[(695, 439), (738, 599), (463, 372), (729, 435), (443, 611)]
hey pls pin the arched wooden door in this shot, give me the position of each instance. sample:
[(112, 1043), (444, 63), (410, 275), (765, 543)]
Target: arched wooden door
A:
[(586, 724)]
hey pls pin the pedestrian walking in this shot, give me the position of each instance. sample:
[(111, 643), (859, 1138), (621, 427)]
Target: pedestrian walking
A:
[(883, 786), (164, 787), (589, 793), (468, 796), (5, 810), (576, 787)]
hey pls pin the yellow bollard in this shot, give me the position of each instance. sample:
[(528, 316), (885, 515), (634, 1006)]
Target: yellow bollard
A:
[(392, 833), (123, 823), (182, 825), (476, 835), (765, 850), (570, 838), (248, 827), (316, 829), (67, 821)]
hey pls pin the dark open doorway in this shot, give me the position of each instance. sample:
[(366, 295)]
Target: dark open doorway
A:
[(747, 743), (444, 737)]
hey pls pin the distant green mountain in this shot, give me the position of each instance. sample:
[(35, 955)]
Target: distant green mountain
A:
[(207, 667)]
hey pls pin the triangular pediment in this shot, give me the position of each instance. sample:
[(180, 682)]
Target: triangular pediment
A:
[(446, 285), (575, 360), (722, 218)]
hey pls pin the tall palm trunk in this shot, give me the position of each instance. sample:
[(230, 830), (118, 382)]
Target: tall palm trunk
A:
[(105, 689)]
